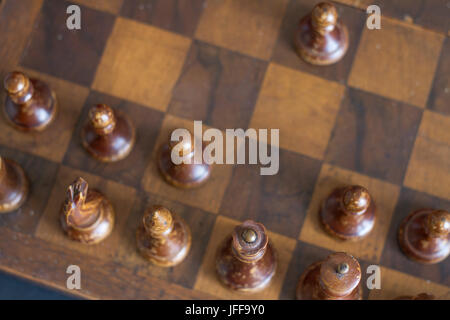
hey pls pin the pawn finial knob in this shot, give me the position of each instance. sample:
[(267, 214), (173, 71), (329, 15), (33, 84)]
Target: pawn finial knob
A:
[(324, 17), (163, 238)]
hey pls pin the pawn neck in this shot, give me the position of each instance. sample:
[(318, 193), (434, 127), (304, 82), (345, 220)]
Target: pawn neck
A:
[(249, 241)]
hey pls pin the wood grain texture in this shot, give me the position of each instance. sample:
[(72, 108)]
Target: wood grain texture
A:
[(111, 6), (429, 168), (15, 31), (373, 136), (228, 63), (279, 201), (397, 62), (440, 93), (52, 44), (154, 57), (250, 27), (207, 280), (395, 284), (383, 194), (217, 86), (290, 100), (180, 16)]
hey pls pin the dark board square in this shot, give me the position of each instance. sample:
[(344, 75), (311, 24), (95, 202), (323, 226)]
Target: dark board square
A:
[(41, 175), (69, 54), (432, 14), (410, 201), (285, 52), (129, 170), (175, 15), (185, 273), (279, 201), (217, 86), (440, 92), (374, 136)]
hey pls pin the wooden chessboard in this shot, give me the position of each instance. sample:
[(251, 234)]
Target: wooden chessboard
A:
[(380, 118)]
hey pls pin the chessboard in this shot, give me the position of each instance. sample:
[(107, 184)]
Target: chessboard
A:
[(380, 118)]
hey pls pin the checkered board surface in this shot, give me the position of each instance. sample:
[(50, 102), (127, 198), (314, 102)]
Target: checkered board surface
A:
[(380, 118)]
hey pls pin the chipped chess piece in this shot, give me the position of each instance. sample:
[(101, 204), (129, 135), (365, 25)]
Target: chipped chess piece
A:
[(86, 216), (348, 213), (321, 38), (108, 135), (246, 261), (338, 277), (186, 174), (30, 103), (420, 296), (424, 236), (13, 186), (163, 238)]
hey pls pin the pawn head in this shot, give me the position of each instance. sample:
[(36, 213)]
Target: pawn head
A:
[(324, 17), (157, 220), (15, 82), (102, 117), (356, 199), (185, 145)]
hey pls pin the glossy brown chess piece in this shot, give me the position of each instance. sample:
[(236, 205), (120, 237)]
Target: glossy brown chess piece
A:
[(321, 38), (348, 213), (338, 277), (30, 103), (86, 216), (186, 174), (163, 238), (108, 135), (246, 261), (424, 236), (420, 296), (13, 185)]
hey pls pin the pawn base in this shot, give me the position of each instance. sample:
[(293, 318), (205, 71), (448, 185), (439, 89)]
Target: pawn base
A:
[(325, 51), (182, 175), (341, 225), (165, 252), (112, 147), (411, 235), (243, 276)]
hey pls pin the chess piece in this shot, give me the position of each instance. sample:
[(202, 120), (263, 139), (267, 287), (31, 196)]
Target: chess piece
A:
[(13, 185), (424, 236), (246, 261), (86, 216), (348, 213), (321, 38), (420, 296), (336, 278), (30, 103), (183, 175), (108, 135), (163, 238)]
